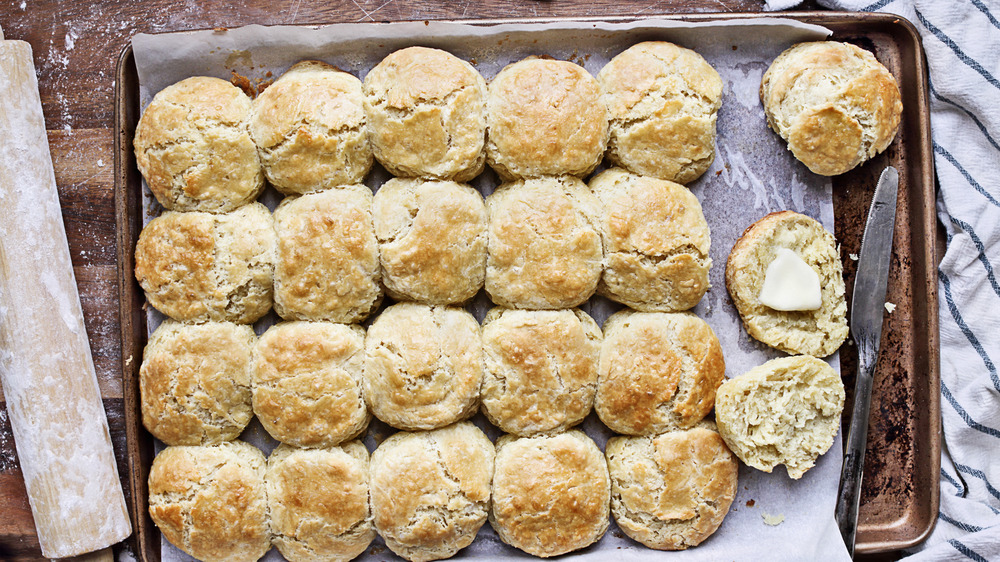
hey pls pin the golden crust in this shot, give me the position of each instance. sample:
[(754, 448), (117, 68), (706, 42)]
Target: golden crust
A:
[(662, 100), (318, 502), (833, 102), (309, 129), (423, 366), (541, 369), (813, 332), (427, 114), (430, 490), (671, 491), (198, 266), (193, 146), (551, 495), (327, 265), (194, 382), (659, 371), (544, 244), (210, 501), (786, 411), (544, 117), (307, 383), (432, 240), (656, 242)]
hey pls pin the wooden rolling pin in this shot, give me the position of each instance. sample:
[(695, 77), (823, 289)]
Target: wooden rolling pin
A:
[(53, 400)]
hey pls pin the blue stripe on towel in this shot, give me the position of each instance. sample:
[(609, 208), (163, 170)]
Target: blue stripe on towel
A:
[(946, 393), (968, 552), (877, 5), (986, 10), (972, 63), (963, 526), (967, 331), (982, 252), (965, 173), (960, 486), (980, 475), (969, 114)]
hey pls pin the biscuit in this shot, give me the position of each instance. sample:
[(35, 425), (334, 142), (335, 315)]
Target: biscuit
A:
[(427, 114), (659, 371), (318, 502), (307, 383), (210, 501), (193, 146), (544, 244), (432, 240), (544, 117), (671, 491), (430, 490), (309, 129), (197, 266), (834, 104), (327, 264), (656, 242), (194, 382), (541, 369), (423, 366), (551, 494), (662, 100), (786, 411), (817, 332)]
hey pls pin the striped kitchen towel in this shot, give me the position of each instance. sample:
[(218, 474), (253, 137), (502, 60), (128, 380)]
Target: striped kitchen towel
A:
[(961, 39)]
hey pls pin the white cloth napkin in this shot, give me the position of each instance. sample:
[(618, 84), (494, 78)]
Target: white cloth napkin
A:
[(961, 40)]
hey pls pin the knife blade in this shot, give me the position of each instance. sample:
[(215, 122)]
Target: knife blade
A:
[(867, 305)]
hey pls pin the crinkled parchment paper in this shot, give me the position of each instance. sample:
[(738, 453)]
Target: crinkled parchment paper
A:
[(753, 175)]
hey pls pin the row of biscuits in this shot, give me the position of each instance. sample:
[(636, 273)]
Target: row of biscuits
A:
[(203, 145), (428, 493), (543, 243), (418, 367)]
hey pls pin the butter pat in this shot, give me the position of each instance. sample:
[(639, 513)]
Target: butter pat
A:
[(790, 284)]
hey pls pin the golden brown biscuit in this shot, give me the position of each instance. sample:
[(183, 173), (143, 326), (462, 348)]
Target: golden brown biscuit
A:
[(199, 266), (307, 383), (663, 101), (659, 371), (544, 117), (786, 411), (309, 128), (327, 264), (551, 494), (544, 246), (193, 146), (432, 240), (318, 502), (210, 501), (541, 369), (423, 366), (430, 490), (194, 382), (656, 242), (833, 102), (427, 114), (817, 332), (671, 491)]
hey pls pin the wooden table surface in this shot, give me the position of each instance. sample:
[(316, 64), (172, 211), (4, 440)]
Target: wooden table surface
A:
[(76, 46)]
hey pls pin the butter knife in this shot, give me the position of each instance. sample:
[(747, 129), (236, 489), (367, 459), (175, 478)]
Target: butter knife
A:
[(868, 303)]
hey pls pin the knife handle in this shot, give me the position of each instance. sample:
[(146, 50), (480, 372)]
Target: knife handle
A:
[(849, 495)]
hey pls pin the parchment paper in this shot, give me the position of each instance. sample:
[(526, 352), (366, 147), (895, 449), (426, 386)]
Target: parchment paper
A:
[(773, 517)]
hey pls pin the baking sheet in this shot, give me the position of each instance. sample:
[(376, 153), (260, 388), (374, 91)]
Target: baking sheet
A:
[(753, 175)]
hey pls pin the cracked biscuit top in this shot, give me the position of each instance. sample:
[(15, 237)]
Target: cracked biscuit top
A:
[(544, 117), (656, 242), (427, 114), (423, 366), (199, 266), (541, 369), (430, 490), (662, 100), (309, 128), (193, 146)]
